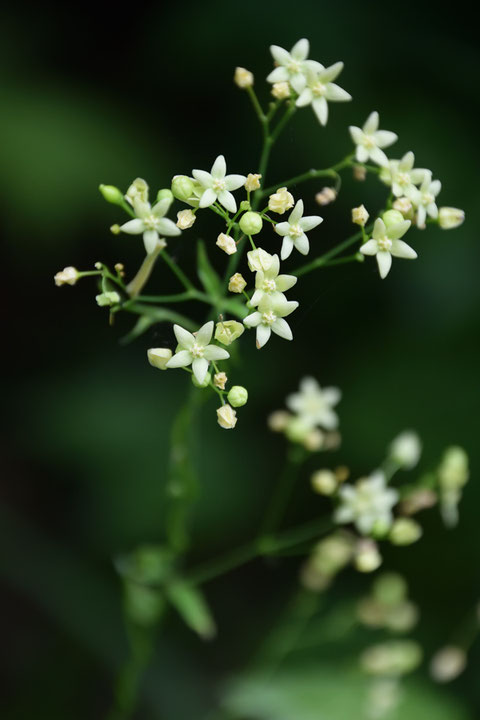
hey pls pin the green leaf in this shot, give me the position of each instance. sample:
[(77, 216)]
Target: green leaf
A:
[(192, 607), (206, 273)]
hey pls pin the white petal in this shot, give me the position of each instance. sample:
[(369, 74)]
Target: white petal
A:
[(228, 201), (312, 66), (133, 227), (280, 74), (421, 217), (384, 260), (356, 133), (397, 231), (305, 98), (200, 369), (282, 228), (180, 359), (309, 222), (320, 108), (279, 54), (150, 240), (208, 198), (285, 282), (203, 177), (300, 50), (302, 244), (272, 271), (335, 93), (281, 328), (369, 248), (263, 335), (432, 210), (253, 320), (167, 227), (256, 297), (184, 338), (331, 72), (371, 123), (233, 182), (402, 250), (435, 187), (385, 138), (298, 82), (331, 395), (284, 307), (379, 156), (219, 168), (204, 335), (361, 154), (379, 229), (212, 352), (296, 213), (287, 247), (406, 163)]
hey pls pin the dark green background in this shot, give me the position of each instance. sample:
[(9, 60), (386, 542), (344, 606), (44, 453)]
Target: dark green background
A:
[(91, 94)]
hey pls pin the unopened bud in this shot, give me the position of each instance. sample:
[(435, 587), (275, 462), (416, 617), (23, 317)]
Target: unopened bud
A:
[(226, 417), (227, 244), (406, 449), (450, 217), (115, 229), (324, 482), (360, 215), (259, 259), (220, 380), (158, 357), (67, 276), (359, 173), (278, 420), (326, 196), (367, 557), (237, 283), (227, 331), (253, 182), (392, 217), (111, 194), (238, 396), (243, 78), (405, 531), (107, 299), (205, 383), (185, 219), (314, 440), (165, 194), (183, 187), (281, 90), (251, 223), (281, 201), (448, 663)]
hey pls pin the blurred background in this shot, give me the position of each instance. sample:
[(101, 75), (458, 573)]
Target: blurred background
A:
[(92, 94)]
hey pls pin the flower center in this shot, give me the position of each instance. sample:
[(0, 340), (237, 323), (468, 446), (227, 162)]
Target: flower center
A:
[(295, 231), (427, 198), (319, 89), (294, 66), (403, 178), (269, 286), (369, 142), (268, 318), (150, 222), (384, 243), (218, 185), (197, 350)]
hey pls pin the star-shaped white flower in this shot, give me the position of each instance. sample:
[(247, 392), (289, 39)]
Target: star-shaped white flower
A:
[(385, 243), (151, 221), (423, 198), (401, 174), (293, 231), (270, 317), (367, 504), (293, 65), (195, 350), (314, 405), (321, 89), (217, 185), (369, 140), (268, 283)]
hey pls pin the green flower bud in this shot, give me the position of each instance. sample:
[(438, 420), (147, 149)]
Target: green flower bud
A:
[(164, 193), (405, 531), (245, 205), (392, 217), (450, 217), (297, 429), (205, 383), (237, 396), (396, 658), (107, 299), (251, 223), (228, 331), (158, 357), (183, 187), (111, 194), (390, 589)]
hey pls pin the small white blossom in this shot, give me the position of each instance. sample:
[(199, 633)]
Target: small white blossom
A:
[(450, 217), (423, 198), (321, 89), (268, 283), (219, 380), (315, 405), (227, 244), (270, 317), (158, 357), (252, 182), (237, 283), (293, 65), (67, 276), (367, 504), (217, 185), (243, 78), (360, 215), (226, 417), (406, 449), (281, 201), (138, 190), (401, 174), (369, 140), (326, 196), (385, 243), (185, 219), (151, 222), (448, 663), (195, 350), (259, 259), (293, 231), (281, 90), (403, 205)]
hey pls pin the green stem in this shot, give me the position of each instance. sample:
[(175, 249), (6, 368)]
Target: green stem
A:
[(310, 175), (179, 297), (323, 259), (256, 105), (283, 490), (136, 285), (187, 284)]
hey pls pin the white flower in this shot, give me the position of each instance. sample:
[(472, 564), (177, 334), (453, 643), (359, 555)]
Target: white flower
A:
[(243, 78), (259, 259), (268, 283), (401, 174), (369, 140), (269, 317), (185, 219), (314, 405), (151, 221), (293, 231), (252, 182), (406, 449), (158, 357), (293, 65), (450, 217), (281, 201), (423, 198), (217, 185), (226, 417), (67, 276), (281, 91), (321, 89), (360, 215), (367, 504), (196, 351), (385, 243)]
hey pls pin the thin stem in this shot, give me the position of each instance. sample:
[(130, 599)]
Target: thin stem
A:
[(323, 259), (283, 490), (310, 175), (179, 297), (157, 314), (256, 105), (187, 284), (136, 285), (356, 257)]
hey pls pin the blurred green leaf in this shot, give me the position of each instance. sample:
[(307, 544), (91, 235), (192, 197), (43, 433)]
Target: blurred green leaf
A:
[(206, 273), (191, 605)]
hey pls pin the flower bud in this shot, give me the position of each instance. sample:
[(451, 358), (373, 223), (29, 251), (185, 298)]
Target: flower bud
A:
[(115, 229), (67, 276), (367, 557), (278, 420), (227, 331), (185, 219), (359, 173), (360, 215), (253, 182), (237, 283), (405, 531), (396, 657), (392, 217), (281, 201), (237, 396), (251, 223), (165, 193), (418, 499), (219, 380), (450, 217), (205, 383), (297, 429), (226, 417), (158, 357), (406, 449), (448, 663), (390, 589), (243, 78), (183, 187), (111, 194), (324, 482), (331, 555), (227, 244), (314, 440), (281, 90), (326, 196), (107, 298), (138, 190), (259, 259), (245, 205), (453, 471), (403, 205)]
